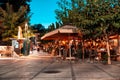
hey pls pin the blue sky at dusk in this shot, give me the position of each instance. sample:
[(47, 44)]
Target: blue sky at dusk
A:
[(43, 12)]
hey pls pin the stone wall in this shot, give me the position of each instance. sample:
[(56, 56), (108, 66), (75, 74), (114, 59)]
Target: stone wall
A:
[(6, 50)]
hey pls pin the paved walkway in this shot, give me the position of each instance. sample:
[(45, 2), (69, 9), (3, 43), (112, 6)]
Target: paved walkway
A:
[(35, 67)]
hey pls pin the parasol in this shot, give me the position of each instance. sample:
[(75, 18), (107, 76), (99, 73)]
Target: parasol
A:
[(20, 35), (63, 33), (66, 32)]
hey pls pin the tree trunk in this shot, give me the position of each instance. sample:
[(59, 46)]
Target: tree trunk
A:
[(83, 52), (118, 39), (108, 49), (118, 49)]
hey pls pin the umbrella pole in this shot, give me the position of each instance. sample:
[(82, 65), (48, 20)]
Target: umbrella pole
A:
[(70, 51), (69, 47), (59, 52), (59, 49)]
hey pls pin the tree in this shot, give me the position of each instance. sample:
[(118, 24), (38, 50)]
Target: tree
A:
[(38, 28), (57, 25), (10, 20), (102, 17), (16, 4), (62, 12), (51, 27)]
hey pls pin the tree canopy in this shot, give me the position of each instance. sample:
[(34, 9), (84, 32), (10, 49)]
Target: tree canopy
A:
[(13, 14), (92, 17), (15, 3)]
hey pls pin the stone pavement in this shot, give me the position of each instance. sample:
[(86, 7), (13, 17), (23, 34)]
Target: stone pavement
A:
[(35, 67)]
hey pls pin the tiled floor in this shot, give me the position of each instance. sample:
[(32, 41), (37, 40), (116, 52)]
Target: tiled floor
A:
[(50, 69)]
